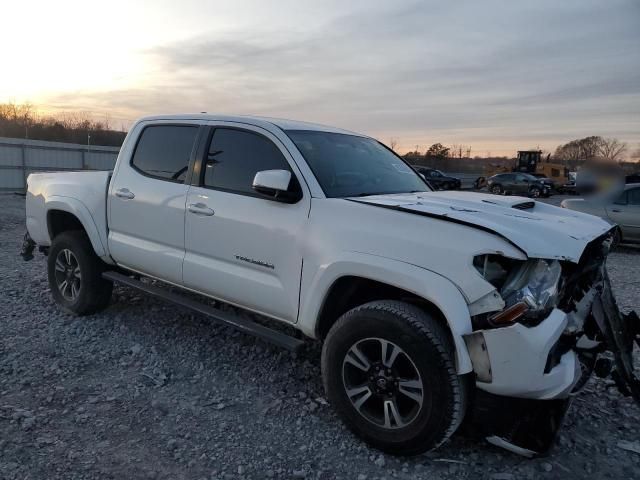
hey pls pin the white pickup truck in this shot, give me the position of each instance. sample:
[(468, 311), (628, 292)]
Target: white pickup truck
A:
[(430, 305)]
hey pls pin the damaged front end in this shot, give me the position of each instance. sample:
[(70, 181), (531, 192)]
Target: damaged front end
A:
[(560, 323)]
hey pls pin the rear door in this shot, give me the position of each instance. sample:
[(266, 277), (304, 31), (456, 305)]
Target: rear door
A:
[(626, 213), (147, 201), (242, 247)]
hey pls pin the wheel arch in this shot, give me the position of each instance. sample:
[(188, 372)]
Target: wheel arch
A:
[(71, 214), (344, 285)]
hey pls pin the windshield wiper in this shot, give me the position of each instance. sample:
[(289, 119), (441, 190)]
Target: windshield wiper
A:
[(365, 194)]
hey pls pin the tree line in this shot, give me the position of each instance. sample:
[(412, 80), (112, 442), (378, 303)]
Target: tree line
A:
[(25, 121), (572, 154), (575, 151)]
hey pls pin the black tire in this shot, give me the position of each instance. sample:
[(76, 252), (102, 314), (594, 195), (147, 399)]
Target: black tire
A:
[(496, 189), (426, 343), (93, 293), (535, 192)]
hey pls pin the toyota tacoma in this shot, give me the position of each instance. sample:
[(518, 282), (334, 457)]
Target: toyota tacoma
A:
[(431, 306)]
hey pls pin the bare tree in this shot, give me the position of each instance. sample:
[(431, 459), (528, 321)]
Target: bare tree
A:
[(635, 155), (583, 149), (612, 149), (25, 121), (393, 143)]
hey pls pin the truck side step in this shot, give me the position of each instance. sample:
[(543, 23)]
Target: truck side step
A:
[(246, 326)]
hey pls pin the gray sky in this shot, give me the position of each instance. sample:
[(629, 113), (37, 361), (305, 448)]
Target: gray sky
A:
[(495, 75)]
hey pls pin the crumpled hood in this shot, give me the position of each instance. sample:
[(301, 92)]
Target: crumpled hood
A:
[(538, 229)]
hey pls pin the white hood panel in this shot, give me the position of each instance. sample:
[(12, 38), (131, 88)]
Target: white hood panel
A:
[(543, 231)]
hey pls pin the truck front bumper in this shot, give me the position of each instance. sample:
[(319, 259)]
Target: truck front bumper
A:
[(525, 388), (512, 361)]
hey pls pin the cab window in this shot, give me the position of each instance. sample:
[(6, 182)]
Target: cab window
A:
[(163, 151), (235, 156)]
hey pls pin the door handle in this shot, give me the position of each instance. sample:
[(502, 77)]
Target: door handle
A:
[(200, 209), (616, 210), (125, 193)]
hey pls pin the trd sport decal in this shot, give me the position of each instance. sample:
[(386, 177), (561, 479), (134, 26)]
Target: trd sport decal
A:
[(256, 262)]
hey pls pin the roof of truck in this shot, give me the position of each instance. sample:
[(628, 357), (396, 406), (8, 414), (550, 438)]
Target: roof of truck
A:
[(281, 123)]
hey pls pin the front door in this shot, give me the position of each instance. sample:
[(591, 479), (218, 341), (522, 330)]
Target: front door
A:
[(242, 247), (626, 213), (147, 202), (521, 184)]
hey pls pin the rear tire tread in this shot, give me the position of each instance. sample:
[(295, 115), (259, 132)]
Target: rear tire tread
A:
[(95, 292)]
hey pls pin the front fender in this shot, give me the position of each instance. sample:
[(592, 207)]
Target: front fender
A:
[(424, 283), (82, 213)]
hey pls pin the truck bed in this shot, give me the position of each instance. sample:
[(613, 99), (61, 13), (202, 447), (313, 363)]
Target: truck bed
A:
[(83, 194)]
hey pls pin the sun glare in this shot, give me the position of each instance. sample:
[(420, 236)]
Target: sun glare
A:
[(60, 49)]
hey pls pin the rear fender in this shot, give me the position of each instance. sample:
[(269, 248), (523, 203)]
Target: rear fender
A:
[(82, 213)]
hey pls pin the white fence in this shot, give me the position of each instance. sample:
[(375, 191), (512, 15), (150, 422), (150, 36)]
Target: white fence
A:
[(19, 158)]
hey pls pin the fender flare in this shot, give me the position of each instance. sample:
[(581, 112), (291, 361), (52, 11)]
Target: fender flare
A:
[(424, 283), (82, 213)]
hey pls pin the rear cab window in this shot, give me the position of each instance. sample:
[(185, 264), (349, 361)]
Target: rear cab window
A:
[(164, 151)]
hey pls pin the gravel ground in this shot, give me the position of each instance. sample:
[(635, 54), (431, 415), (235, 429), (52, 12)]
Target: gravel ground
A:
[(147, 390)]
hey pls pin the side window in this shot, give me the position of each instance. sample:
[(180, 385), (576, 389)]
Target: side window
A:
[(163, 151), (622, 199), (633, 196), (234, 158)]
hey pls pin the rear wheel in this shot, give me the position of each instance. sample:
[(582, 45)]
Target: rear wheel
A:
[(496, 189), (388, 370), (75, 275)]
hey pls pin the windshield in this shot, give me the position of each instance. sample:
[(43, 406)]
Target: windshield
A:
[(351, 166)]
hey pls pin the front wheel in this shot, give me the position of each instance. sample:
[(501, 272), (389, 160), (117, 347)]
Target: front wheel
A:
[(388, 370), (535, 192), (496, 189), (75, 275)]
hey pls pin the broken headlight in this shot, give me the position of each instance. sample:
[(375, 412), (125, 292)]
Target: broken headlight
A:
[(535, 284), (528, 288)]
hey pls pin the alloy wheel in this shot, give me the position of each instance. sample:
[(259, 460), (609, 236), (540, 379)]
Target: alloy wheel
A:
[(67, 275), (382, 383)]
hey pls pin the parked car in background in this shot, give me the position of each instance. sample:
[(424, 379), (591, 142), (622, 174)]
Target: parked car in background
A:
[(518, 183), (544, 179), (437, 179), (622, 208)]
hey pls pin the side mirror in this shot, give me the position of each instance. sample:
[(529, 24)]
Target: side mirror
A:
[(275, 184)]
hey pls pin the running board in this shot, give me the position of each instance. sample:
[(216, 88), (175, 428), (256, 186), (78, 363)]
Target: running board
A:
[(246, 326)]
